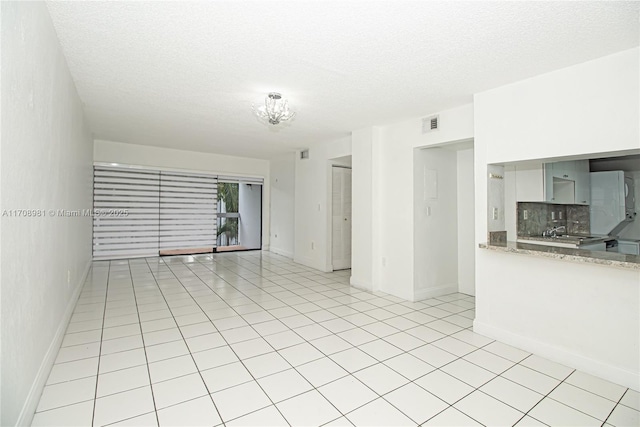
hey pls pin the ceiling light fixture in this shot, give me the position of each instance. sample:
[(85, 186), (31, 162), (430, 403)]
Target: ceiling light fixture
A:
[(274, 110)]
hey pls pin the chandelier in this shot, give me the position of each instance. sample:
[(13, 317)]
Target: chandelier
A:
[(274, 110)]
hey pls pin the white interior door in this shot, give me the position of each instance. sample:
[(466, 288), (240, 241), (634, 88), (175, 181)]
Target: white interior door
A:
[(341, 218)]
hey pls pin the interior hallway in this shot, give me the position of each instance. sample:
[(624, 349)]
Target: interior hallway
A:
[(252, 338)]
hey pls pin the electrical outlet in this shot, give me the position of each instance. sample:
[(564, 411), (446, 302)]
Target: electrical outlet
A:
[(525, 214), (313, 245), (68, 277), (384, 261), (495, 213)]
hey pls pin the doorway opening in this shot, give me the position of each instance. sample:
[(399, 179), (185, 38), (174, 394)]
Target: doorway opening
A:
[(444, 220)]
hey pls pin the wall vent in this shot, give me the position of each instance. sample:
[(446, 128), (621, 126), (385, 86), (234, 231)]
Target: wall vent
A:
[(431, 123), (304, 154)]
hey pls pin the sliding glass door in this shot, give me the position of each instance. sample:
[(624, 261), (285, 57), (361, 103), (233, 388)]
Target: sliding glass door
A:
[(239, 214), (141, 212)]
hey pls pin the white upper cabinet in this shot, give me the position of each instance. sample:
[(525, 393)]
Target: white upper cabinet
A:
[(583, 183), (567, 182)]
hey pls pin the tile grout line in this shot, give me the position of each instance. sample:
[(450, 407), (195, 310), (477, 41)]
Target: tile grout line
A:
[(338, 352), (240, 359), (547, 395), (403, 351), (428, 343), (476, 388), (377, 360), (615, 406), (104, 314), (135, 299), (198, 368), (350, 374), (191, 288), (313, 387)]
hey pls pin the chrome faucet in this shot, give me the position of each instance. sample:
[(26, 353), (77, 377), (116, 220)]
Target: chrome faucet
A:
[(553, 232)]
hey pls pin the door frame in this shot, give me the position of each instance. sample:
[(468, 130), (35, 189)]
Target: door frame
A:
[(261, 185)]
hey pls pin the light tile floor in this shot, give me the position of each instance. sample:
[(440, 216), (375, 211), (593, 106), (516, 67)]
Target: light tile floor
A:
[(253, 339)]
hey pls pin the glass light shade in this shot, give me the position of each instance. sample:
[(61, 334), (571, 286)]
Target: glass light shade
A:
[(274, 110)]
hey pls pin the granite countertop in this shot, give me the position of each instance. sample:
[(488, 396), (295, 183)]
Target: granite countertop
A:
[(612, 259)]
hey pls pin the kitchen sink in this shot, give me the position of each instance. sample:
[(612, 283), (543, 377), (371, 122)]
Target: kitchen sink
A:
[(551, 241), (564, 241)]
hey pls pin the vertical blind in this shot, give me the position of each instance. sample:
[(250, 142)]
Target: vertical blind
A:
[(141, 212)]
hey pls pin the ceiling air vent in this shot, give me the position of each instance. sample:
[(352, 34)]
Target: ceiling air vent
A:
[(304, 154), (431, 123)]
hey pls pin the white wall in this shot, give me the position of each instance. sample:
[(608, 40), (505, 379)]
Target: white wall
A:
[(582, 315), (46, 164), (559, 315), (365, 145), (588, 108), (312, 217), (394, 188), (249, 208), (143, 155), (466, 223), (435, 226), (282, 171)]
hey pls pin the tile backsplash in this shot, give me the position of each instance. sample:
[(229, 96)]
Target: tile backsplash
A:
[(541, 216)]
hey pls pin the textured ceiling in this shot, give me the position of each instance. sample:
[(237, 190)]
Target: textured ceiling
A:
[(184, 74)]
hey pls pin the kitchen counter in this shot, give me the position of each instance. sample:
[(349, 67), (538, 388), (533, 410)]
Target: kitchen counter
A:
[(612, 259)]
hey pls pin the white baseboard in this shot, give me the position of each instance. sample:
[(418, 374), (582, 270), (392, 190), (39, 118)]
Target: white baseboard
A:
[(308, 262), (427, 293), (282, 252), (574, 360), (358, 284), (33, 398)]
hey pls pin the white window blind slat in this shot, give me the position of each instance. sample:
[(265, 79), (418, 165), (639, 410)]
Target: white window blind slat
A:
[(131, 219), (144, 181), (147, 228), (240, 179), (100, 186), (140, 241)]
